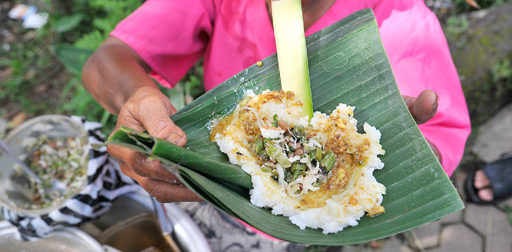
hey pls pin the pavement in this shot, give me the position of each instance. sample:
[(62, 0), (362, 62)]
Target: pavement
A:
[(476, 228)]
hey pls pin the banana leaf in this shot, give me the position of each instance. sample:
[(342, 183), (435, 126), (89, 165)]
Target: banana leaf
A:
[(348, 65)]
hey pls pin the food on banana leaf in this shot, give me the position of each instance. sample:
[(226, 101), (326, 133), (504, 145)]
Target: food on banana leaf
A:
[(318, 172)]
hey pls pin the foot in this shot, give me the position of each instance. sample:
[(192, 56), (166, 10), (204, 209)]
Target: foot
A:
[(482, 184)]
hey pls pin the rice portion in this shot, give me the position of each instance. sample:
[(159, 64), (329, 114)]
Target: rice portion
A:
[(316, 194)]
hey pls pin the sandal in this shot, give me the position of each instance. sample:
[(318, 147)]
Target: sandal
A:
[(499, 174)]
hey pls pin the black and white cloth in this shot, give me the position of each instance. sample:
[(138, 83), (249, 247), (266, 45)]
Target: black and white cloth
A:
[(105, 182)]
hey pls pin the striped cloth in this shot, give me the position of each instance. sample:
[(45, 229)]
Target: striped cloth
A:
[(105, 183)]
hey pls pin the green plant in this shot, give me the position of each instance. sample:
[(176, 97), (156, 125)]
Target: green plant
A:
[(501, 74), (502, 71), (30, 72), (113, 12), (454, 28), (491, 93), (461, 6), (456, 25)]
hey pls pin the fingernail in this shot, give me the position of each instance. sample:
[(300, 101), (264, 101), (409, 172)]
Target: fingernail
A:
[(175, 138)]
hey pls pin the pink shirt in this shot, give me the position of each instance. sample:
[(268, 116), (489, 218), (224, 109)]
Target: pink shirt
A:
[(231, 35)]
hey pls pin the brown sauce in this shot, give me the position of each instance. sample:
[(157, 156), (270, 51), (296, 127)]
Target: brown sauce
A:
[(348, 147)]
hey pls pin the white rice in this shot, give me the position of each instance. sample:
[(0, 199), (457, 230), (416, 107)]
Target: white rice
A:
[(340, 210)]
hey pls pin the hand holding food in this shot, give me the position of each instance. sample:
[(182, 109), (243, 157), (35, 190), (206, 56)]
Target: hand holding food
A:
[(149, 109)]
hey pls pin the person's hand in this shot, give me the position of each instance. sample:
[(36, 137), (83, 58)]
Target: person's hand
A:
[(422, 109), (149, 109)]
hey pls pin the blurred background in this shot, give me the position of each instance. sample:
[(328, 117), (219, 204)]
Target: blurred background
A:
[(41, 61)]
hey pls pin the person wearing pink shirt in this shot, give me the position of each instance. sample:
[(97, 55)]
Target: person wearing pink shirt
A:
[(164, 38)]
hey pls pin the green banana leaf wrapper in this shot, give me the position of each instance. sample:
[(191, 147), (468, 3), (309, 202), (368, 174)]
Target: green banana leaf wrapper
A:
[(348, 65)]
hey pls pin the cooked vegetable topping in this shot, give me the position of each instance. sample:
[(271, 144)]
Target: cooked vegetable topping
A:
[(328, 161), (275, 154), (258, 147), (318, 153), (296, 162)]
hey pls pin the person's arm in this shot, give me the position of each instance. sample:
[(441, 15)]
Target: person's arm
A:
[(118, 79), (114, 73)]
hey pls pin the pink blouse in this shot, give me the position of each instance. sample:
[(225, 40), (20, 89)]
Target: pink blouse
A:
[(231, 35)]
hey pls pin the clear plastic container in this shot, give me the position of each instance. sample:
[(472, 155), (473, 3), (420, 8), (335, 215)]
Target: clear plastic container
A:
[(14, 191)]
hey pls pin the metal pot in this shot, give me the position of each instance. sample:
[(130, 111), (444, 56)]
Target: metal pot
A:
[(63, 239), (133, 213)]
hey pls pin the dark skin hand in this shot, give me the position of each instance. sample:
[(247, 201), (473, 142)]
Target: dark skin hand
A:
[(118, 79), (422, 109), (139, 104)]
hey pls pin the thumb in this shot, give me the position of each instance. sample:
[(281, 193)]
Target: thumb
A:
[(156, 119), (424, 107)]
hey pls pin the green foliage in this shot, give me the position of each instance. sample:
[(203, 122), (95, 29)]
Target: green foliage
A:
[(501, 74), (88, 26), (110, 13), (67, 23), (456, 25), (502, 71), (28, 62), (82, 104), (461, 6), (91, 40), (72, 57), (490, 93)]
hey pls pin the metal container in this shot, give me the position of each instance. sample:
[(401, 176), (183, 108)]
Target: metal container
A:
[(14, 193), (133, 213), (63, 239)]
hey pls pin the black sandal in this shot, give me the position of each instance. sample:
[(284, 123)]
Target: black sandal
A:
[(499, 174)]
